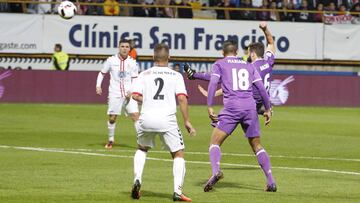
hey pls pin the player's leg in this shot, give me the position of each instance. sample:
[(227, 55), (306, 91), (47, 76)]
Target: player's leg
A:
[(173, 141), (145, 142), (113, 110), (251, 128)]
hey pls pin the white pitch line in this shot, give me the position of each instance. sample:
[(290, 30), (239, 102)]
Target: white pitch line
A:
[(224, 154), (170, 160)]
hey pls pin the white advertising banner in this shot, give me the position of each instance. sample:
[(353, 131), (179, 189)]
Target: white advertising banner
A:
[(341, 42), (21, 33), (186, 37)]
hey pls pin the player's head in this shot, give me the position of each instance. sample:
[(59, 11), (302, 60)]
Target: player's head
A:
[(230, 48), (57, 48), (161, 53), (256, 50), (124, 48)]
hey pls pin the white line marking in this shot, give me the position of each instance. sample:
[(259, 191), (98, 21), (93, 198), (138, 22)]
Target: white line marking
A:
[(206, 153), (170, 160)]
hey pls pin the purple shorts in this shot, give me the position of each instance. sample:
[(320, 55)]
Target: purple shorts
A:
[(248, 119)]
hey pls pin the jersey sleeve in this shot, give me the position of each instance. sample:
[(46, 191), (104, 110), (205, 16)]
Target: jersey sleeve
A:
[(216, 71), (137, 88), (135, 70), (106, 66), (255, 75), (269, 57), (180, 86)]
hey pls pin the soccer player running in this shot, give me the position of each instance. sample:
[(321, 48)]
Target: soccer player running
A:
[(157, 89), (123, 70), (237, 79), (263, 64)]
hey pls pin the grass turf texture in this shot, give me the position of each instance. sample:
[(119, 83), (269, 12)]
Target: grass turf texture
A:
[(65, 173)]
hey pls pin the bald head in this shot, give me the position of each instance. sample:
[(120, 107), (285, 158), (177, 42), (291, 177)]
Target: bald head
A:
[(161, 53)]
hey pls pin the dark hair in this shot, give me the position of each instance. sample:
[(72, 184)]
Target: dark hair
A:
[(258, 48), (58, 46), (125, 41), (161, 52), (230, 47)]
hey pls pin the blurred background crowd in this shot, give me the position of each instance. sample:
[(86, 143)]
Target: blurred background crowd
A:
[(282, 10)]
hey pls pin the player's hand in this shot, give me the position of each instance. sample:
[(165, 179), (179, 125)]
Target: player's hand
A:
[(202, 90), (267, 115), (212, 115), (98, 90), (191, 130), (263, 25)]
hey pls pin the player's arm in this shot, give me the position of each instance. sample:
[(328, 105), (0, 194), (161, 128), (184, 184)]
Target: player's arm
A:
[(211, 93), (101, 75), (183, 103), (265, 98), (269, 38), (137, 97), (137, 89), (56, 64), (205, 93)]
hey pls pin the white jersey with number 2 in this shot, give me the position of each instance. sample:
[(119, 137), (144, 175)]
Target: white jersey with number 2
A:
[(159, 87)]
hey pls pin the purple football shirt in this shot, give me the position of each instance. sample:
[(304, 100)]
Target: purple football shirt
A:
[(264, 67), (237, 78)]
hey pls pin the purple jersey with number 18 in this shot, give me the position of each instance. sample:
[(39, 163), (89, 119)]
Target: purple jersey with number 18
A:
[(264, 67), (237, 78)]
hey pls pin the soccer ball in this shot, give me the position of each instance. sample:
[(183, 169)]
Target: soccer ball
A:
[(67, 9)]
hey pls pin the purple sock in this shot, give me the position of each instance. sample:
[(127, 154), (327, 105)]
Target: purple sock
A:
[(264, 162), (215, 156), (202, 76)]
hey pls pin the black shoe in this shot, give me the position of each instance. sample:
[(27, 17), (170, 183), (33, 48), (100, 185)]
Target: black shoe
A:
[(271, 188), (213, 180), (189, 72), (135, 192)]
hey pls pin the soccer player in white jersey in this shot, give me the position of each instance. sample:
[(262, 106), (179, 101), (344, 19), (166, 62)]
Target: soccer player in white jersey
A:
[(157, 89), (123, 71)]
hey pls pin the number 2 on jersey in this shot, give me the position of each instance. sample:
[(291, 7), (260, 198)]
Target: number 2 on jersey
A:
[(240, 79), (159, 96)]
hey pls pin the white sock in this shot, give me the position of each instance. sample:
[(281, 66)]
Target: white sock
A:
[(137, 126), (179, 174), (111, 128), (139, 163)]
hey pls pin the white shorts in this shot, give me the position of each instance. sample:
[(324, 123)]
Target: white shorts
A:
[(171, 140), (117, 104)]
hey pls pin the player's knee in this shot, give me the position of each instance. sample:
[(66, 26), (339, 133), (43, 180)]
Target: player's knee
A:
[(179, 153), (143, 148), (112, 120)]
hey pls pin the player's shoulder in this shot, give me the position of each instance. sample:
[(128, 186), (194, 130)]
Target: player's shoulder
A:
[(112, 58), (269, 54), (131, 60)]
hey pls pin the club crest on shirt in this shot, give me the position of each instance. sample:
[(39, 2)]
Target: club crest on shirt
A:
[(279, 92), (122, 74)]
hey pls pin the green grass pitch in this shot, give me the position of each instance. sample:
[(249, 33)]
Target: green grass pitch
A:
[(55, 153)]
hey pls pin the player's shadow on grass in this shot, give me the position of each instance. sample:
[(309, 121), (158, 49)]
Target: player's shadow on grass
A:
[(116, 146), (227, 184), (157, 195)]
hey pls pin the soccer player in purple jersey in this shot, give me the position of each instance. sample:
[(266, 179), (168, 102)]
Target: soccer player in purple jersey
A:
[(263, 64), (237, 79)]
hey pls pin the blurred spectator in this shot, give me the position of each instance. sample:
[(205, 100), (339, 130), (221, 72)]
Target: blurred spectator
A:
[(4, 7), (44, 8), (331, 9), (247, 15), (60, 59), (141, 11), (246, 53), (161, 11), (94, 10), (132, 52), (257, 3), (342, 10), (263, 15), (304, 16), (225, 14), (319, 17), (111, 8), (274, 15), (176, 67), (184, 12), (17, 7), (356, 8), (285, 15)]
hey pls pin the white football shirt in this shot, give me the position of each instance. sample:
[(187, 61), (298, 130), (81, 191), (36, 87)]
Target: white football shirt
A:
[(159, 87), (122, 72)]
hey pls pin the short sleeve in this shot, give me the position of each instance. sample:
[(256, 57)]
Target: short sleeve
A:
[(269, 57), (106, 66), (180, 86), (137, 87)]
